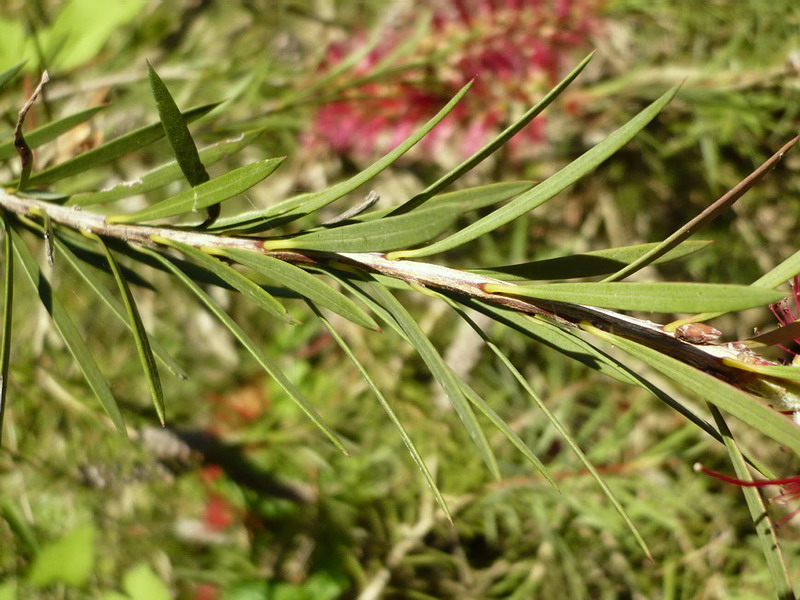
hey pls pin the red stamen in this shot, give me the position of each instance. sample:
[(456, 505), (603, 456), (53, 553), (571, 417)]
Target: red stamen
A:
[(791, 481)]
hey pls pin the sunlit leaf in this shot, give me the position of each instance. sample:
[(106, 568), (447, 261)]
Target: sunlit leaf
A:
[(160, 176), (789, 373), (117, 309), (663, 297), (730, 399), (587, 264), (311, 202), (112, 150), (384, 234), (8, 298), (765, 529), (548, 188), (438, 368), (139, 333), (72, 337), (412, 449), (177, 132), (249, 345), (466, 200), (206, 194), (461, 201), (301, 282), (249, 289)]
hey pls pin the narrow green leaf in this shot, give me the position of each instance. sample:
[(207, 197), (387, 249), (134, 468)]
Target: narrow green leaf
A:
[(766, 531), (412, 449), (139, 333), (177, 132), (401, 231), (49, 132), (364, 297), (466, 200), (68, 332), (303, 283), (462, 202), (117, 309), (495, 144), (88, 254), (730, 399), (567, 437), (572, 346), (587, 264), (556, 338), (160, 176), (249, 345), (769, 280), (653, 297), (9, 74), (787, 373), (8, 298), (781, 273), (548, 188), (479, 403), (110, 151), (206, 194), (504, 428), (438, 368), (311, 202), (384, 234), (248, 288)]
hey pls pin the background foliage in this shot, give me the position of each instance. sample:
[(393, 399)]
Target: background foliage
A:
[(85, 513)]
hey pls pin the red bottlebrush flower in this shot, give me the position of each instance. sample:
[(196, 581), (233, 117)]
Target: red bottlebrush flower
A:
[(210, 473), (206, 591), (516, 50), (219, 513), (790, 487), (785, 313)]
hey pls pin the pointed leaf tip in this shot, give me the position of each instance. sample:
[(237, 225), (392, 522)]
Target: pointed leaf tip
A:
[(178, 135)]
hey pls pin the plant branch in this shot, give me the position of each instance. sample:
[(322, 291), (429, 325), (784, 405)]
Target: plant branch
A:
[(708, 358)]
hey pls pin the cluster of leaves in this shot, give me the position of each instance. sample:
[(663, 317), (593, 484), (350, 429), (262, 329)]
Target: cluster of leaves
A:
[(421, 220)]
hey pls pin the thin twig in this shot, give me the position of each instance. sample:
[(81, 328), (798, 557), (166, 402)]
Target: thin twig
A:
[(706, 216), (24, 151)]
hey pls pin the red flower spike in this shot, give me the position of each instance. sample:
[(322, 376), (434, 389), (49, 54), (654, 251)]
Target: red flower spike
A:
[(219, 513), (790, 487), (516, 49), (206, 591)]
